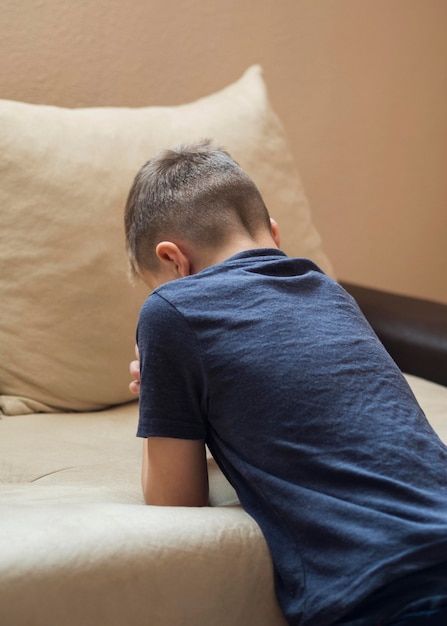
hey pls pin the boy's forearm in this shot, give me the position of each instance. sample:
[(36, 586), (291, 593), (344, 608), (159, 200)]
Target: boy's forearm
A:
[(174, 472), (144, 469)]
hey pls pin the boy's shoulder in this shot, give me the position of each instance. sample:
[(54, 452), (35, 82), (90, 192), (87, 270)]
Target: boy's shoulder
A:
[(264, 277), (261, 262), (251, 269)]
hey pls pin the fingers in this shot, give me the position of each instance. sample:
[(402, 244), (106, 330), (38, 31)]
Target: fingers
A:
[(134, 387), (134, 369)]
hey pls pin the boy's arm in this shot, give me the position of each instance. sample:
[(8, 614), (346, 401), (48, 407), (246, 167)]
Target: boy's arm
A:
[(172, 387), (174, 472)]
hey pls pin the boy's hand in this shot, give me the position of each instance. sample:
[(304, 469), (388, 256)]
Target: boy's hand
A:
[(134, 369)]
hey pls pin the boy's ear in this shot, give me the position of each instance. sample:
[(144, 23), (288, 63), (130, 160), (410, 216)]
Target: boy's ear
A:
[(173, 258), (275, 232)]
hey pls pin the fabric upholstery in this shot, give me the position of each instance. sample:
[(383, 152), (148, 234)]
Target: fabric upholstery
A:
[(413, 330), (78, 546), (68, 311)]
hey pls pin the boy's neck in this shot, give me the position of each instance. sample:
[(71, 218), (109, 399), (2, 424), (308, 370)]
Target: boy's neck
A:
[(203, 258), (182, 258)]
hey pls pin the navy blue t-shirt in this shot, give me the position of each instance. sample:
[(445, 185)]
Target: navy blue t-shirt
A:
[(273, 365)]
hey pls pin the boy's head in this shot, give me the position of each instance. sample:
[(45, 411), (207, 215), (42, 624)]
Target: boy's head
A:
[(195, 194)]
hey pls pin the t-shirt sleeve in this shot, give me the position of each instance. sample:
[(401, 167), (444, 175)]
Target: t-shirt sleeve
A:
[(172, 390)]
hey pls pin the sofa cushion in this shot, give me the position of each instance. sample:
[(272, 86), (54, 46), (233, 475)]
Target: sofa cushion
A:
[(96, 457), (68, 310), (77, 545)]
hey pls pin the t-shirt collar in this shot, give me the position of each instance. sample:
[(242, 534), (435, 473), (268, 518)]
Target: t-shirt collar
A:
[(256, 253)]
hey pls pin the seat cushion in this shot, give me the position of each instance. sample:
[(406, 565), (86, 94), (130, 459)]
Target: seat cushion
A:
[(78, 546)]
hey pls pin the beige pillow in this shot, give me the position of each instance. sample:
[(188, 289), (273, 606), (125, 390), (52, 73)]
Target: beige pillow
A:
[(68, 312)]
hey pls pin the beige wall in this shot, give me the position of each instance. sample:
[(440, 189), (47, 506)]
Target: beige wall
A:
[(361, 86)]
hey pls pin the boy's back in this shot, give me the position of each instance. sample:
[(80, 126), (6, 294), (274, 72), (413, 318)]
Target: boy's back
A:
[(273, 365)]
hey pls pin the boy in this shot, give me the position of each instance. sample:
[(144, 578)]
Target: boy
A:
[(271, 364)]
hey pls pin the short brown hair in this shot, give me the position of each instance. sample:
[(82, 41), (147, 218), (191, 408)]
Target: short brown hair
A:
[(195, 192)]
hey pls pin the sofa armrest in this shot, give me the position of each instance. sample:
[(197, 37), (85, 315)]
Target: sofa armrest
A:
[(413, 330)]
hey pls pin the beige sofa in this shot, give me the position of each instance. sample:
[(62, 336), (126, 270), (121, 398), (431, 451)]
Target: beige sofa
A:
[(77, 545)]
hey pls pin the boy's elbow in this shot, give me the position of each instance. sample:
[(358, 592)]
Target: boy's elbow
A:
[(193, 502), (152, 498)]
